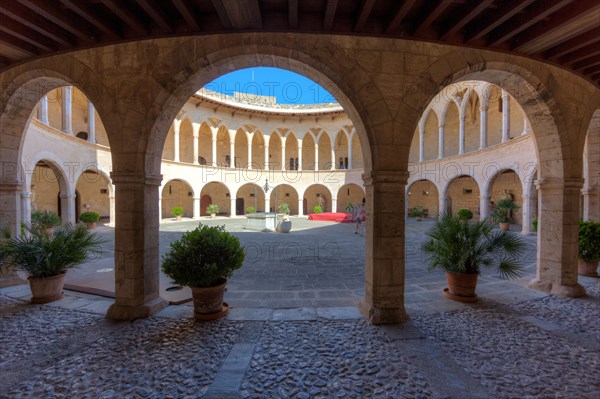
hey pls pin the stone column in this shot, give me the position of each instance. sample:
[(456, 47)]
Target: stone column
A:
[(333, 204), (249, 139), (384, 250), (443, 204), (26, 207), (160, 215), (300, 206), (527, 214), (196, 135), (591, 203), (67, 107), (316, 156), (196, 208), (267, 202), (505, 117), (558, 230), (350, 151), (461, 135), (91, 123), (176, 125), (283, 161), (136, 255), (333, 160), (483, 112), (526, 128), (299, 154), (43, 110), (232, 210), (421, 141), (484, 206), (441, 141), (232, 154), (266, 156), (214, 131), (111, 205), (67, 208)]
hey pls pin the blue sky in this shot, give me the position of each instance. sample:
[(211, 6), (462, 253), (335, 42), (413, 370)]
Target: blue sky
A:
[(288, 87)]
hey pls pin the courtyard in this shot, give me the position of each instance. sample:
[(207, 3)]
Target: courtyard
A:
[(293, 331)]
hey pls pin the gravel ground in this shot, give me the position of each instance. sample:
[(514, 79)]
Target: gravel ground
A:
[(330, 359)]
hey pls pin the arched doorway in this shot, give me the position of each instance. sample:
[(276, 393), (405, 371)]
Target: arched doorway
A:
[(317, 194), (177, 192), (217, 193), (506, 184), (251, 195), (93, 192), (349, 194), (424, 193), (462, 192), (284, 193)]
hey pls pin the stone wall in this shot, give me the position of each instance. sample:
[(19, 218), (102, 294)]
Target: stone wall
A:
[(177, 193), (425, 194), (93, 191)]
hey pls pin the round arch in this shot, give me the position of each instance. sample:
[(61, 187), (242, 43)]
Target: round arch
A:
[(506, 183), (349, 194), (215, 193), (424, 193), (462, 192), (177, 192), (95, 193), (250, 195), (316, 194), (284, 193)]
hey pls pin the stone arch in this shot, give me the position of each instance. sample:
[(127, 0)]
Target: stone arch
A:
[(241, 149), (461, 192), (186, 140), (284, 193), (96, 193), (177, 192), (317, 194), (349, 194), (253, 195), (506, 182), (219, 194), (430, 138), (424, 193), (291, 151), (591, 170), (324, 141), (205, 144)]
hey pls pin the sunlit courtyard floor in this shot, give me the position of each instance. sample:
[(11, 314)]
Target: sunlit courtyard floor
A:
[(293, 331)]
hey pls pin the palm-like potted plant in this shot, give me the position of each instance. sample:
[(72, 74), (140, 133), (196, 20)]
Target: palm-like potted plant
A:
[(90, 219), (212, 210), (589, 248), (204, 259), (250, 209), (45, 221), (502, 213), (46, 258), (461, 249), (417, 212), (464, 214), (177, 212)]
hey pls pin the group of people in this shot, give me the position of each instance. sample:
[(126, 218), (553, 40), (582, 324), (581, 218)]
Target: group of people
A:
[(358, 215)]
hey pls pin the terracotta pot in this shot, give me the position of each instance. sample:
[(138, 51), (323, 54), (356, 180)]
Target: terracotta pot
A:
[(91, 225), (213, 215), (587, 269), (178, 218), (47, 289), (504, 226), (47, 230), (461, 286), (208, 300)]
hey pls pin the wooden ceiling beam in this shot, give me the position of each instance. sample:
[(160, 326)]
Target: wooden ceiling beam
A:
[(186, 14), (485, 25), (585, 39), (330, 9), (41, 8), (222, 13), (293, 13), (365, 11), (432, 16), (586, 63), (399, 16), (18, 44), (151, 9), (26, 34), (125, 15), (517, 25), (579, 55), (84, 13), (466, 19)]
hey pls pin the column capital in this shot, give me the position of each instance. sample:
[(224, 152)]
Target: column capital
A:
[(26, 194), (555, 183), (386, 177), (135, 178)]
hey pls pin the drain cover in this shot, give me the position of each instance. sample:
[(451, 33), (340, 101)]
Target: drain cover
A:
[(105, 270), (174, 288)]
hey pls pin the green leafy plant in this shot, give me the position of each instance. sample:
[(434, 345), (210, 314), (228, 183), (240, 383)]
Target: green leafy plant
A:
[(177, 211), (348, 207), (502, 212), (250, 209), (283, 208), (464, 214), (44, 219), (416, 212), (212, 209), (455, 246), (89, 217), (41, 255), (317, 209), (203, 257), (589, 241), (534, 223)]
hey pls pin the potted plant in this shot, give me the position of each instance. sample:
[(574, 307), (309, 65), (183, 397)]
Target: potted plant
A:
[(589, 248), (417, 212), (45, 221), (502, 213), (317, 209), (90, 219), (285, 225), (46, 258), (464, 214), (203, 259), (250, 209), (212, 210), (461, 249), (177, 212)]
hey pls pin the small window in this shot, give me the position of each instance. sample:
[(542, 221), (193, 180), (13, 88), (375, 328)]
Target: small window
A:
[(82, 136), (468, 191), (103, 191)]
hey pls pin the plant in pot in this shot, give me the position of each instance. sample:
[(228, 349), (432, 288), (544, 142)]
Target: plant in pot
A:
[(417, 212), (203, 259), (461, 249), (317, 209), (250, 209), (501, 214), (177, 212), (464, 214), (90, 219), (46, 258), (212, 210), (285, 225), (45, 221), (589, 248)]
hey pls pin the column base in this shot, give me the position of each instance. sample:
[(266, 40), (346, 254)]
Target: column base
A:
[(382, 315), (571, 291), (122, 312)]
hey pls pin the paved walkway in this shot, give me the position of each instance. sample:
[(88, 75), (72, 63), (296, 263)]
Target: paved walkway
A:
[(514, 343)]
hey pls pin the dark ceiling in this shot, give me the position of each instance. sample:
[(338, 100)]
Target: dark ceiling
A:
[(564, 32)]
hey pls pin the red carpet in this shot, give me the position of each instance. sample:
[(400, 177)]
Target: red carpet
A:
[(340, 217)]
